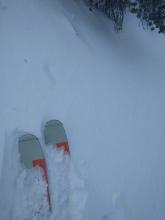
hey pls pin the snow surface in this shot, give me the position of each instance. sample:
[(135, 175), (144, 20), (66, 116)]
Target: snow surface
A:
[(60, 61), (24, 192)]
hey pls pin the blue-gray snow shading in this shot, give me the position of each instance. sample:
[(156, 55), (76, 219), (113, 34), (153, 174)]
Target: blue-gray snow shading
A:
[(59, 60)]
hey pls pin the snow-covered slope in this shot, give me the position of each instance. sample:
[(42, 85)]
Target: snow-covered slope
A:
[(59, 60)]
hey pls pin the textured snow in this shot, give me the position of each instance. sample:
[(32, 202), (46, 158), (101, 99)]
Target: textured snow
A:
[(60, 61), (24, 192)]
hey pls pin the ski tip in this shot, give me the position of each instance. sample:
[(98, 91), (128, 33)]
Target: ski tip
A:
[(29, 149), (27, 137), (55, 134), (53, 123)]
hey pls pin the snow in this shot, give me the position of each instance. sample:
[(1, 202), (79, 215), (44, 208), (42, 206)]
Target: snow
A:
[(60, 61), (28, 188)]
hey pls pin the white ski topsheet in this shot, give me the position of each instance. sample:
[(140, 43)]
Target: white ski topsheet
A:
[(58, 60)]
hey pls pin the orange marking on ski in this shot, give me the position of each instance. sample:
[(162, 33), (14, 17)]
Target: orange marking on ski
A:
[(63, 145), (41, 163)]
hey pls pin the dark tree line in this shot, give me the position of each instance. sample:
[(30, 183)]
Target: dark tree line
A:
[(150, 12)]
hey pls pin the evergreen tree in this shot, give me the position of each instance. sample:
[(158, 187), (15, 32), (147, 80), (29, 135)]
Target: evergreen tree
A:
[(150, 12), (114, 9)]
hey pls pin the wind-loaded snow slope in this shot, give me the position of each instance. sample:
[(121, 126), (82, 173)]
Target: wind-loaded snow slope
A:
[(60, 61)]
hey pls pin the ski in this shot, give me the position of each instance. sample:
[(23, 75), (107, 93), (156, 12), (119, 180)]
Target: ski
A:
[(31, 155), (55, 138), (55, 134)]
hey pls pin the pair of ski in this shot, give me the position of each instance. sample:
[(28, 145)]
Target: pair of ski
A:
[(30, 150)]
